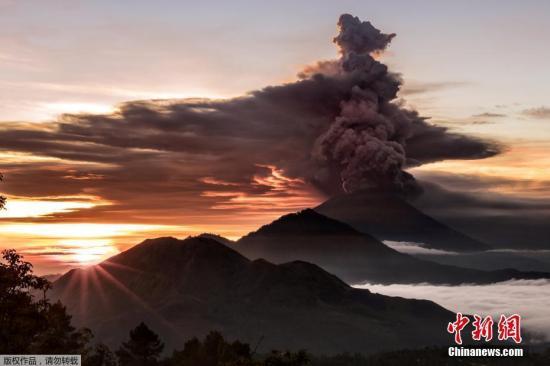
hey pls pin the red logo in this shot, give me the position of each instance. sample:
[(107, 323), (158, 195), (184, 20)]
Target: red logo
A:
[(457, 326), (482, 328), (508, 328)]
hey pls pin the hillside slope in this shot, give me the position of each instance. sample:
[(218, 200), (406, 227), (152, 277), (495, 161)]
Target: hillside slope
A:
[(185, 288)]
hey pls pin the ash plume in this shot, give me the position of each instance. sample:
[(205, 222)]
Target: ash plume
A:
[(367, 140), (360, 37), (338, 128)]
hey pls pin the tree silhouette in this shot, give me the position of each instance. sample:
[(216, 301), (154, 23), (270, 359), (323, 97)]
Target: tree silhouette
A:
[(28, 326), (2, 198), (143, 348), (213, 351), (101, 356), (276, 358), (58, 336)]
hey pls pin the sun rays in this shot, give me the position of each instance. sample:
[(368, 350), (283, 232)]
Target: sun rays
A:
[(92, 286)]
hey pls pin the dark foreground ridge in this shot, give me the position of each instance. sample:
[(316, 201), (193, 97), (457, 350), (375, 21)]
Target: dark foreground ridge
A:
[(185, 288), (356, 257)]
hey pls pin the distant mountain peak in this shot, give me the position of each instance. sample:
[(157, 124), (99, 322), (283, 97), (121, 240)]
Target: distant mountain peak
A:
[(388, 216), (216, 237), (168, 254), (356, 256), (305, 222)]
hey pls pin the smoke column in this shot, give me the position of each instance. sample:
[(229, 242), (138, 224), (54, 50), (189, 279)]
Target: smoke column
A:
[(366, 141)]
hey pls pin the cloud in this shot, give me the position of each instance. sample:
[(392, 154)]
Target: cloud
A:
[(482, 122), (495, 259), (274, 149), (521, 251), (472, 204), (490, 115), (450, 191), (528, 298), (538, 113), (357, 37), (415, 248)]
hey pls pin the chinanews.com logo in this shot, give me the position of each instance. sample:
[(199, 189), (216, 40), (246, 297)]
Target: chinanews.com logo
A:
[(482, 330)]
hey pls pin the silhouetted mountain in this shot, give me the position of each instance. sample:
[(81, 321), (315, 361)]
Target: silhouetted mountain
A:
[(354, 256), (388, 216), (185, 288), (52, 277), (218, 238)]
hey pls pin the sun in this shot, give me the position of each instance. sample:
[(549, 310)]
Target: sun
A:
[(89, 251)]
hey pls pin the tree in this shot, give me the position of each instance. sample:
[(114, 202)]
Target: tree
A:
[(20, 317), (101, 356), (276, 358), (213, 351), (29, 326), (2, 198), (143, 348), (58, 336)]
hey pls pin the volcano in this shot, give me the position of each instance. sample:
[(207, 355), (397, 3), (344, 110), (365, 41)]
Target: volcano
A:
[(354, 256), (185, 288), (389, 216)]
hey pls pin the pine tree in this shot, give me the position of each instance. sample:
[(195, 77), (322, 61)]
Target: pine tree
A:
[(2, 198), (101, 356), (143, 348)]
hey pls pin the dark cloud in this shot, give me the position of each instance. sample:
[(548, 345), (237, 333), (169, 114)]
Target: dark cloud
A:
[(472, 205), (360, 37), (373, 138), (337, 128), (490, 115), (478, 203), (475, 183), (539, 113), (482, 122), (437, 143)]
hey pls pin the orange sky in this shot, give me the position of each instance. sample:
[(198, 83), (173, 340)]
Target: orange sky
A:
[(55, 244), (73, 204)]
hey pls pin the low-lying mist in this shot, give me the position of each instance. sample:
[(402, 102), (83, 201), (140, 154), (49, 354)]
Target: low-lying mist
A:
[(495, 259), (529, 298)]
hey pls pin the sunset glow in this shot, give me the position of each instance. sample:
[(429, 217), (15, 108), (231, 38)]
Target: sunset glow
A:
[(91, 251), (34, 208), (524, 168), (77, 230), (117, 130)]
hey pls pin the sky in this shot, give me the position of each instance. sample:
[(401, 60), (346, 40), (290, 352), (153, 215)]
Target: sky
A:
[(476, 68)]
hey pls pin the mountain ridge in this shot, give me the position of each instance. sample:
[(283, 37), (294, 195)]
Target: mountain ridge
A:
[(176, 287), (388, 216), (354, 256)]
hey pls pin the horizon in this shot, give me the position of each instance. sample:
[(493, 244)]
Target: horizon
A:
[(76, 202)]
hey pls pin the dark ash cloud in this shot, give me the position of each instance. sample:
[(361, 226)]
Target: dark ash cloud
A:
[(338, 128), (472, 205), (359, 37)]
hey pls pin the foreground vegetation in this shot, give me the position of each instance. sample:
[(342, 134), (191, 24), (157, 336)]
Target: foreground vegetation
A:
[(30, 324)]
